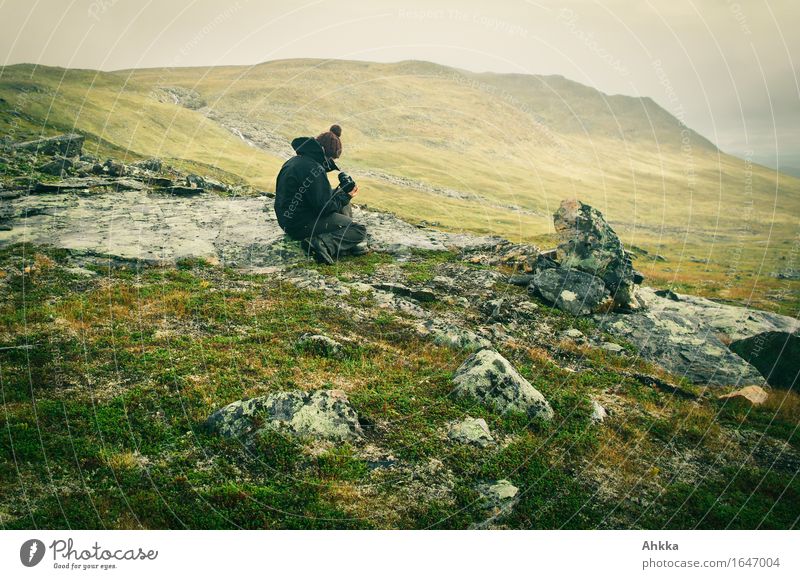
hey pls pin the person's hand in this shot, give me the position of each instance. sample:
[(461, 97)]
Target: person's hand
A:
[(354, 191)]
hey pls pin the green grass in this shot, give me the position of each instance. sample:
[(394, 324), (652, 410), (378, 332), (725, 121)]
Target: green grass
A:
[(103, 416)]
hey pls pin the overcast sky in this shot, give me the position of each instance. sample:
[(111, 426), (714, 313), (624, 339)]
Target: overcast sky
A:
[(727, 68)]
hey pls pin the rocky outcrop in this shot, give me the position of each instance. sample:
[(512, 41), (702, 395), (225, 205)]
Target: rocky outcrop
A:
[(324, 414), (490, 378), (587, 243), (69, 145), (690, 336)]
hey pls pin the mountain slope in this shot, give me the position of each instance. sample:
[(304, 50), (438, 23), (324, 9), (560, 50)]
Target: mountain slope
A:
[(489, 153)]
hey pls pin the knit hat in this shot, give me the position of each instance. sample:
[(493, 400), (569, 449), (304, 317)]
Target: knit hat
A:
[(331, 143)]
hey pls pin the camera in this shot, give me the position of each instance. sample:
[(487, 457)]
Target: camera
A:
[(346, 182)]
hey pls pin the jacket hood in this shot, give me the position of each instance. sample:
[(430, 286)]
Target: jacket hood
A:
[(309, 147)]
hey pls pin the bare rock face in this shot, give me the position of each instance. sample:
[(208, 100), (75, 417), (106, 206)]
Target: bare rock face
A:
[(324, 414), (490, 378), (587, 243)]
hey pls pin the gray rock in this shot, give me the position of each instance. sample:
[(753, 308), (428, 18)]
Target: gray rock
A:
[(195, 181), (453, 336), (611, 347), (574, 334), (419, 294), (521, 279), (114, 168), (58, 166), (573, 291), (498, 499), (587, 243), (68, 145), (472, 431), (732, 323), (324, 414), (319, 344), (178, 95), (775, 354), (490, 378)]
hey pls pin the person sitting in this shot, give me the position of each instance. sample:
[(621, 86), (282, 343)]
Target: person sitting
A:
[(309, 209)]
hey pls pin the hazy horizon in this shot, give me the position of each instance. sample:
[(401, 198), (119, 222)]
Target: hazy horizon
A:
[(724, 69)]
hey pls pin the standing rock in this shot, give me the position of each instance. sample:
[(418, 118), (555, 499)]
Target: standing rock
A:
[(324, 414), (588, 243), (570, 290), (472, 431), (489, 377)]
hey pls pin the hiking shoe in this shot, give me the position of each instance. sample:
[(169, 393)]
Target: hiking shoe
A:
[(316, 248), (360, 249)]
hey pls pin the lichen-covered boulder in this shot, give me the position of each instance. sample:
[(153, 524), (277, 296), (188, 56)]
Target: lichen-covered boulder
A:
[(587, 243), (324, 414), (490, 378), (472, 431), (573, 291), (451, 335)]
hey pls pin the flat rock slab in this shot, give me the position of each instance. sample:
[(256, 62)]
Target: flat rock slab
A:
[(682, 340), (141, 225)]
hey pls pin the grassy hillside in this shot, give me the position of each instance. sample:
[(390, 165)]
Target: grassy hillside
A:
[(110, 373), (458, 149)]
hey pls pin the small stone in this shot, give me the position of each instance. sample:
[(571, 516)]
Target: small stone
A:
[(574, 334), (502, 490), (756, 395), (599, 413), (472, 431), (521, 279), (611, 347)]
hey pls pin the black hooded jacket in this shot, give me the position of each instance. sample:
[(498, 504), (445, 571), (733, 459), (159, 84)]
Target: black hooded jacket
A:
[(302, 192)]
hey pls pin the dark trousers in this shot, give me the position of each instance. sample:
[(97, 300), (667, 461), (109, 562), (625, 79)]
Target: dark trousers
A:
[(337, 231)]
